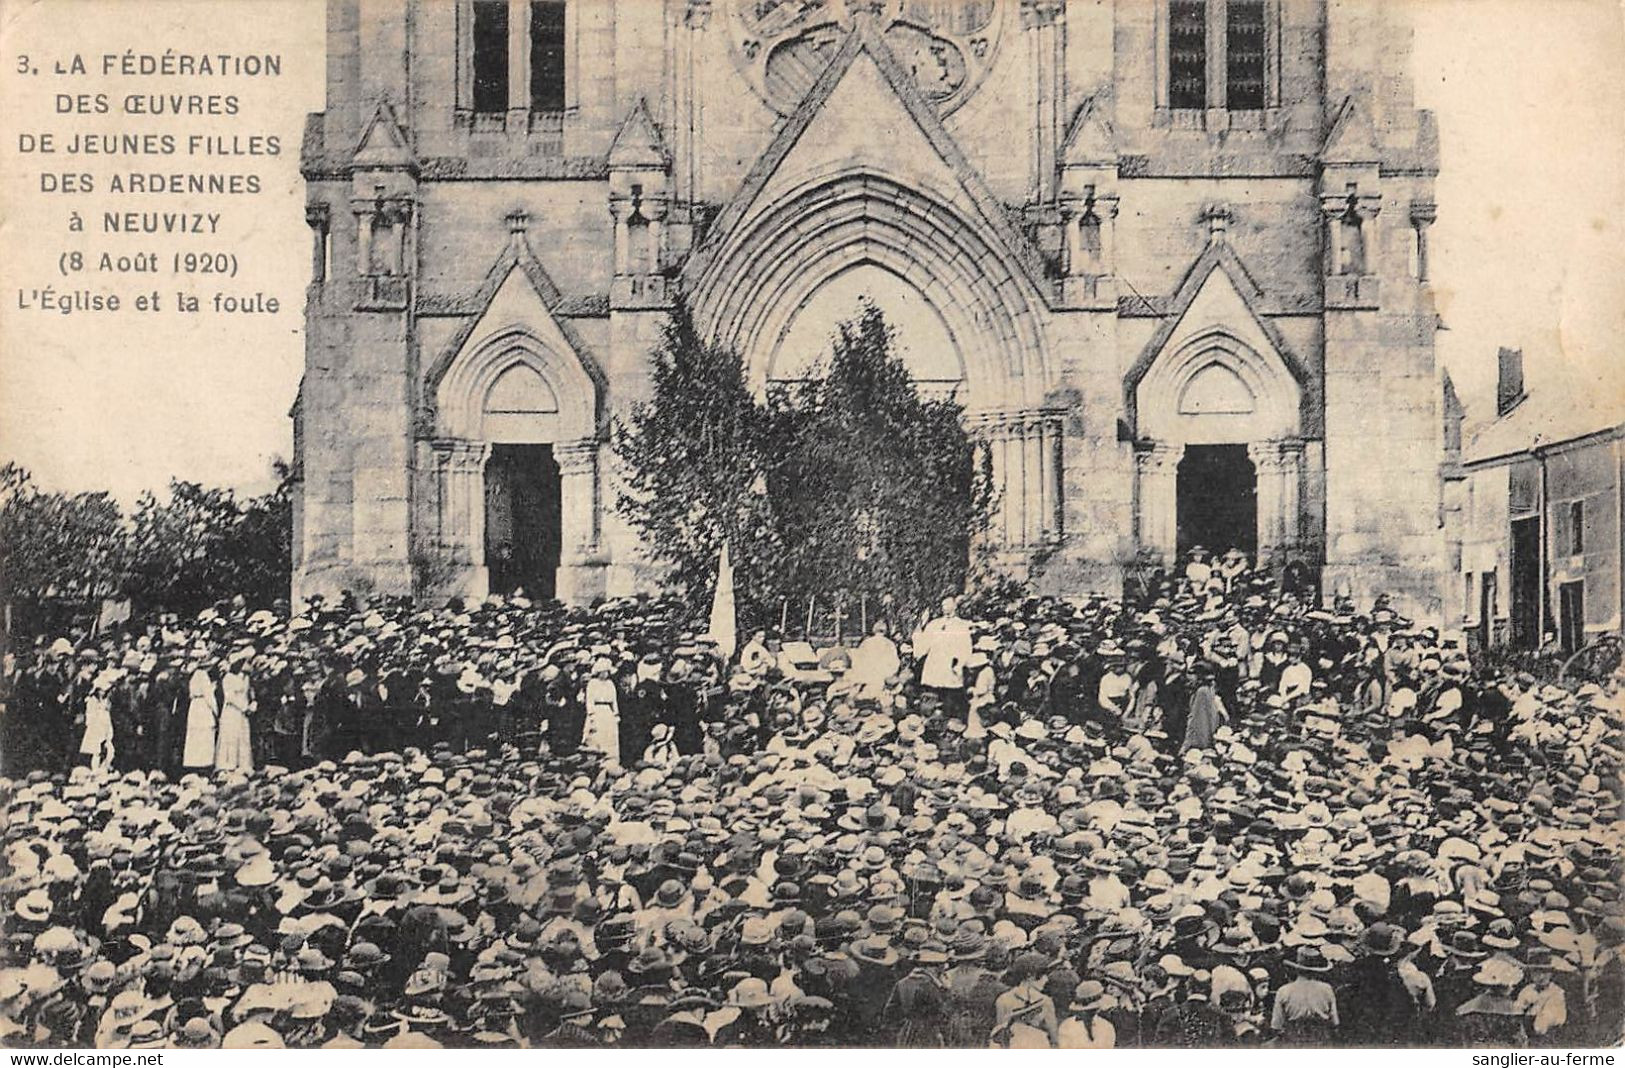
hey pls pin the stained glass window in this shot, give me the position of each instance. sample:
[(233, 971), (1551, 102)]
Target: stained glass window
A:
[(1187, 53), (490, 55), (1244, 58)]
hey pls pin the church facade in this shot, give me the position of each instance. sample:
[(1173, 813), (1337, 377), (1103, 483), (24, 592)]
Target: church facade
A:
[(1171, 255)]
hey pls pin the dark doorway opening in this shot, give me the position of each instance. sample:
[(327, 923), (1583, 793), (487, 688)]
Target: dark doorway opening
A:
[(1571, 615), (1526, 609), (1218, 500), (522, 507)]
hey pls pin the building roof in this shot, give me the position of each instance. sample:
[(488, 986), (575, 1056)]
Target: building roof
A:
[(1541, 420)]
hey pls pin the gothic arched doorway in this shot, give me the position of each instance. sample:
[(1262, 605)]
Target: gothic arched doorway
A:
[(523, 510), (1217, 494), (517, 470)]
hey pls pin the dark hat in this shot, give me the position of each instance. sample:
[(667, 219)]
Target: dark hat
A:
[(1464, 944), (1383, 939), (1309, 959)]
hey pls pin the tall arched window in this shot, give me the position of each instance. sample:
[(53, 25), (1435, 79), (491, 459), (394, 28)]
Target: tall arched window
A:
[(490, 34), (515, 56), (1218, 54)]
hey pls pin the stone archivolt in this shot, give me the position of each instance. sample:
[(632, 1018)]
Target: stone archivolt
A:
[(769, 269)]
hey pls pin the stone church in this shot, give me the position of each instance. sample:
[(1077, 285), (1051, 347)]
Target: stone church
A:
[(1170, 255)]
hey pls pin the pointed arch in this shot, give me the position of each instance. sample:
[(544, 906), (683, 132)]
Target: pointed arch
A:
[(772, 265), (518, 298), (1217, 298), (1239, 394), (558, 400), (1216, 390)]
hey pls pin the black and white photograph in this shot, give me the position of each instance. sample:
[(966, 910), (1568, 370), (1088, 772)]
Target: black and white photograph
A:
[(782, 524)]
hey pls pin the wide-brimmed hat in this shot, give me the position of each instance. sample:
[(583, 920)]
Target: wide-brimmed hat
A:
[(1499, 972), (1502, 934), (421, 1014), (34, 906), (876, 949), (968, 945), (1309, 959), (1383, 939), (750, 993), (1088, 995), (254, 1034), (196, 1033)]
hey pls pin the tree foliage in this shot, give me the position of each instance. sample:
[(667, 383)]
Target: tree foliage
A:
[(883, 486), (69, 552), (57, 547), (203, 545), (846, 485), (695, 461)]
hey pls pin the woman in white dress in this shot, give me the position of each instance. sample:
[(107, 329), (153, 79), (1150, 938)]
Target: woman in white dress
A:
[(234, 745), (603, 730), (202, 718), (97, 743)]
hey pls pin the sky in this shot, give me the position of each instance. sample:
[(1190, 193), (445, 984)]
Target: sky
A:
[(1527, 250)]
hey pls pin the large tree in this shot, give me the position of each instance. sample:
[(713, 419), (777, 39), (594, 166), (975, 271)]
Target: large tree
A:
[(57, 548), (846, 485), (880, 490), (694, 463), (203, 545)]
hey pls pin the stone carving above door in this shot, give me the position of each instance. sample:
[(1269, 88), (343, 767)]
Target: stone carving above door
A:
[(781, 46)]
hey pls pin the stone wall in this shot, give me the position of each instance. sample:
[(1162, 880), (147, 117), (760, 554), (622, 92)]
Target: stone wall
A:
[(368, 504)]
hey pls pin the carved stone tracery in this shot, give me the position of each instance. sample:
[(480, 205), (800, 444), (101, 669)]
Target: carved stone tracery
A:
[(781, 46)]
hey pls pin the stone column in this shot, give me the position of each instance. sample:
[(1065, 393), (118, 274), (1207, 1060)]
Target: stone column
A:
[(1105, 210), (1039, 19), (1001, 483), (1016, 458), (1423, 216), (518, 67), (619, 210), (363, 238), (316, 217), (1049, 456), (1157, 471), (689, 114), (1035, 503), (1266, 458), (460, 521), (1291, 498), (1279, 466), (579, 527), (581, 574), (1333, 209), (1055, 450), (1217, 118)]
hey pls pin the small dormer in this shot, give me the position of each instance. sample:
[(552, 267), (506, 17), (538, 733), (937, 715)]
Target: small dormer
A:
[(383, 200), (1350, 199), (1088, 184), (639, 200)]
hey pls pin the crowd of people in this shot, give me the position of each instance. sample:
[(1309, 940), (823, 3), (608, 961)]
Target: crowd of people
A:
[(1213, 815)]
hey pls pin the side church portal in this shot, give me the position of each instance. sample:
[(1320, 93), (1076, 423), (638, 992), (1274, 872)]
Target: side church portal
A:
[(1171, 255)]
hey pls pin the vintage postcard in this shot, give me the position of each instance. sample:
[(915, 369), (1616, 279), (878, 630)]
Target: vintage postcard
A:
[(947, 524)]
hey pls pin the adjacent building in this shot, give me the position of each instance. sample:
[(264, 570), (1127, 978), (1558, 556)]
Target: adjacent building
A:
[(1541, 549), (1170, 254)]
